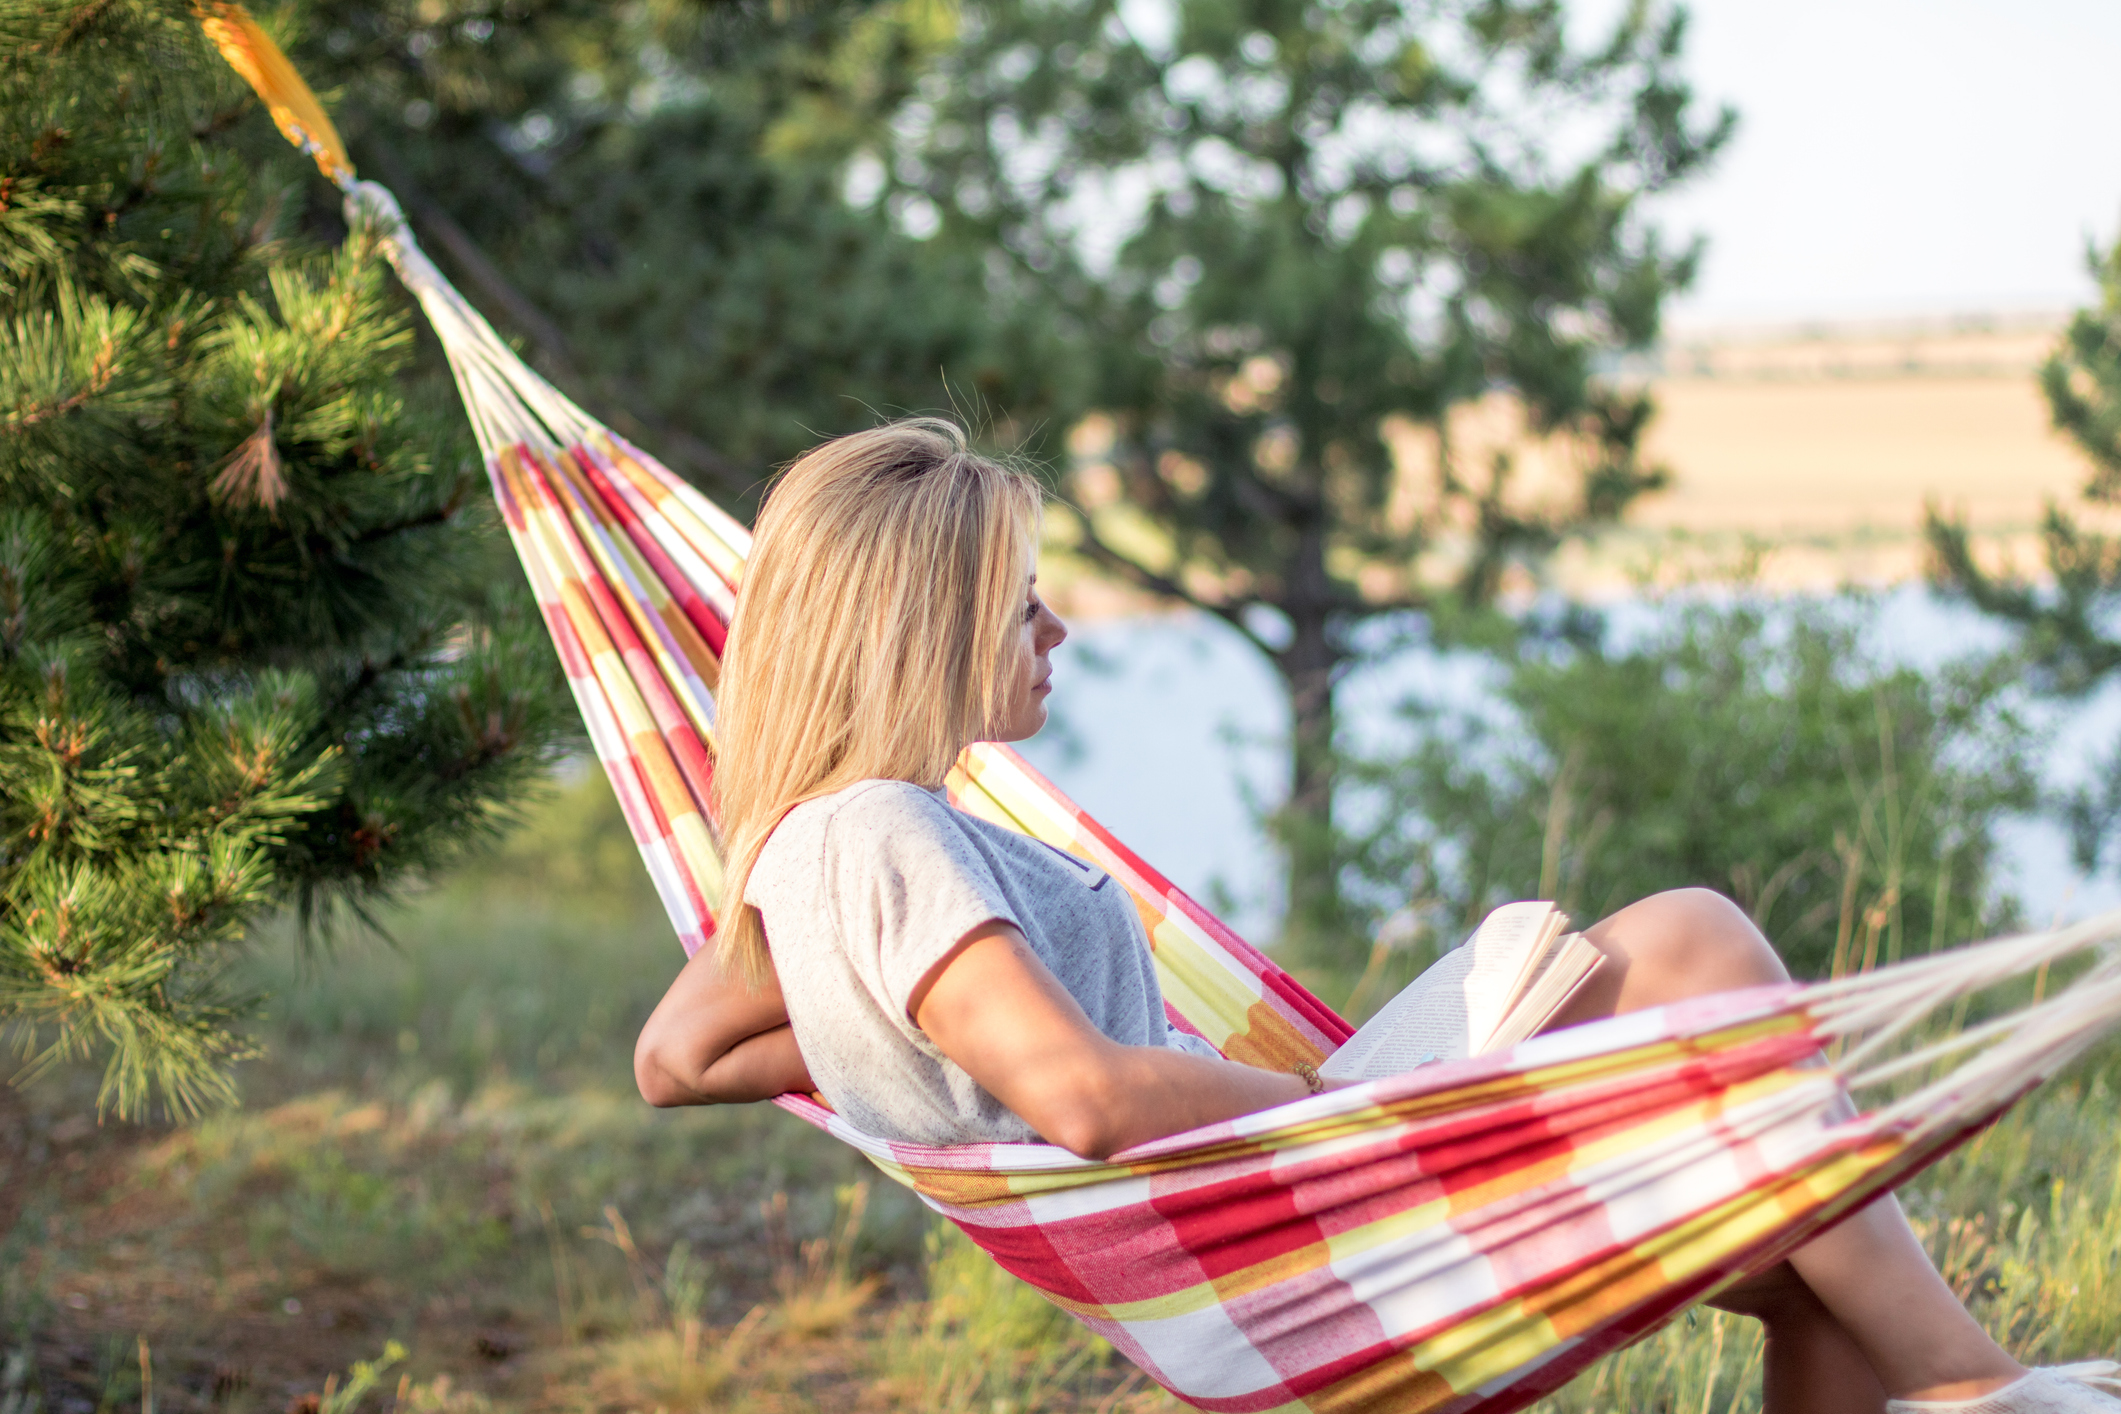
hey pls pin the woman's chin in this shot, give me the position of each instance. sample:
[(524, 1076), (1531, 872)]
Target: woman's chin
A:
[(1029, 725)]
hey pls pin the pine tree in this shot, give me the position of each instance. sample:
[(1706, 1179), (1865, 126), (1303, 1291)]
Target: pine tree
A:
[(2065, 628), (1278, 229), (651, 196), (261, 640)]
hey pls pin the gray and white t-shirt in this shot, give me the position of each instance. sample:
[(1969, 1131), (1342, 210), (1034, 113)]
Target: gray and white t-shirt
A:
[(865, 890)]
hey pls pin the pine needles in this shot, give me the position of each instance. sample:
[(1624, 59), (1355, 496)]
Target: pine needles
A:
[(260, 641)]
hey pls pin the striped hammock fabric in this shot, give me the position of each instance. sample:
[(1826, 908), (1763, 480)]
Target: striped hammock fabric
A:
[(1465, 1237)]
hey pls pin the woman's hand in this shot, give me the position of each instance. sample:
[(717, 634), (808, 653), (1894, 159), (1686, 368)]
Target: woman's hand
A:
[(714, 1040), (996, 1010)]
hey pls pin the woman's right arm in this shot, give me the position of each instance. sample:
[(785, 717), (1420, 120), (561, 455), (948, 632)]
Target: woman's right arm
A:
[(715, 1040), (993, 1007)]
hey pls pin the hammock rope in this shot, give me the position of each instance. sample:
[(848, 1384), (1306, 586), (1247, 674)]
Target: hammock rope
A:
[(1465, 1237)]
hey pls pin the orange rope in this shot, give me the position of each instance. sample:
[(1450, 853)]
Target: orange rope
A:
[(252, 53)]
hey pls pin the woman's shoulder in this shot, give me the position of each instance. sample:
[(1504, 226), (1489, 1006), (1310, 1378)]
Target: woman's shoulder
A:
[(796, 849), (880, 801), (885, 809), (892, 825)]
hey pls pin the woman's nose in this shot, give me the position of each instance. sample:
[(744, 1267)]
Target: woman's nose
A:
[(1051, 631)]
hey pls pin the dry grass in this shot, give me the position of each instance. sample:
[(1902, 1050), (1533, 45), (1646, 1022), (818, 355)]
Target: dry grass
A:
[(443, 1150), (983, 1341), (1812, 483), (680, 1367), (1802, 461), (816, 1281)]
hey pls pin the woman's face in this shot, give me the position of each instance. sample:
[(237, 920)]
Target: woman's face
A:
[(1039, 632)]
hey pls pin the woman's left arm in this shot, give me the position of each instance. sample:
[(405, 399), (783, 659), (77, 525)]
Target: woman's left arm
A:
[(715, 1040)]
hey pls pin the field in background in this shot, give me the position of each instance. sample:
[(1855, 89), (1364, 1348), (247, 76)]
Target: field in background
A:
[(1805, 456), (442, 1197), (1801, 456), (1826, 442)]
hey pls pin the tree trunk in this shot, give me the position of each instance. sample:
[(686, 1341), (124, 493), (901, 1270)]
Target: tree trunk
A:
[(1314, 926)]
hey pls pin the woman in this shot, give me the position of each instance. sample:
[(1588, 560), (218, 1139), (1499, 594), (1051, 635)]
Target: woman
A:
[(941, 980)]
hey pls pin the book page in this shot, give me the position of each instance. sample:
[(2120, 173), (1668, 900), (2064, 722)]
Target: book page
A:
[(1449, 1011), (1492, 1008), (1425, 1022), (1569, 965), (1506, 950)]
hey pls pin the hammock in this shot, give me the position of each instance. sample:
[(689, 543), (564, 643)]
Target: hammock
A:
[(1465, 1237)]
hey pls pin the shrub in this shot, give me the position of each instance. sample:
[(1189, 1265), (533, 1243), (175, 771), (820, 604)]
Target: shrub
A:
[(1848, 804)]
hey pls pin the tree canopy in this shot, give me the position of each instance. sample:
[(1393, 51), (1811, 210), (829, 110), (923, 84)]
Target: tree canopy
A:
[(652, 197), (1287, 243), (2065, 626), (263, 642)]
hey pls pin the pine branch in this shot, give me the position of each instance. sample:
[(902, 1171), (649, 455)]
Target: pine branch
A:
[(2062, 631), (440, 515), (168, 758)]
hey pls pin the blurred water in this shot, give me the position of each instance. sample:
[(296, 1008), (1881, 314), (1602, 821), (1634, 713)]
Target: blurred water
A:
[(1169, 730)]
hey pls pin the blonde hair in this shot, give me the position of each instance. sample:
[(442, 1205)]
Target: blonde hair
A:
[(875, 634)]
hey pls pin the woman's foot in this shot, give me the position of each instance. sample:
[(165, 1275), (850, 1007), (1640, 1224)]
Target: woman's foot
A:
[(2066, 1389)]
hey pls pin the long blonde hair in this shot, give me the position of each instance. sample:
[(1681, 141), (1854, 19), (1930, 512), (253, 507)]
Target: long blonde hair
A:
[(875, 634)]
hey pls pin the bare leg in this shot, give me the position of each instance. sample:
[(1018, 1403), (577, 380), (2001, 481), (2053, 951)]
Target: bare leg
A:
[(1812, 1363), (1867, 1288)]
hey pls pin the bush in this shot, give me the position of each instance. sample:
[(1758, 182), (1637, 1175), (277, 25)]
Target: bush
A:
[(1847, 804)]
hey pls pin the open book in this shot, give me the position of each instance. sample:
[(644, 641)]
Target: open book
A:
[(1502, 984)]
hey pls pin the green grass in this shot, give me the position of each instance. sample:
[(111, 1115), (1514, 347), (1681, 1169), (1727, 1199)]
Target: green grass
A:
[(441, 1170)]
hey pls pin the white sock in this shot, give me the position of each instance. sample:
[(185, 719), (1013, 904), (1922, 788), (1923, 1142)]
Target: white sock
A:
[(2061, 1389)]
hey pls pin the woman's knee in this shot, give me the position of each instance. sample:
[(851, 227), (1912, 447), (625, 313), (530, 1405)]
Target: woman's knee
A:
[(1776, 1295), (1686, 942)]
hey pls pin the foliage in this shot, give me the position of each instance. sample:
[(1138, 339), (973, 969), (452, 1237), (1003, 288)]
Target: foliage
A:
[(651, 195), (1294, 248), (2066, 624), (259, 636), (1848, 806)]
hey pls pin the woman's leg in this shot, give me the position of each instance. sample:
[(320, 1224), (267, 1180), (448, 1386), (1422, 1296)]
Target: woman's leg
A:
[(1867, 1287), (1812, 1365)]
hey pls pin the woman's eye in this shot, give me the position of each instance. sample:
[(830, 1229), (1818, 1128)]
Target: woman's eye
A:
[(1031, 611)]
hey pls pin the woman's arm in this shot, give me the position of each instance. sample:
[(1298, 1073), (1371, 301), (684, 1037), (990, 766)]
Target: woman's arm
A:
[(714, 1040), (996, 1010)]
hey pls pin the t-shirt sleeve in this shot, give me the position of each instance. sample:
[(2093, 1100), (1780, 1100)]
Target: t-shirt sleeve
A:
[(905, 886), (1177, 1040)]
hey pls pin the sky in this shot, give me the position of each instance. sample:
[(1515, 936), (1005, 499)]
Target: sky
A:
[(1900, 157)]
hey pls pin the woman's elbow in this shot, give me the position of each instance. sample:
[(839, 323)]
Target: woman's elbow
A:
[(1081, 1118), (1085, 1136), (656, 1077), (1088, 1140)]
